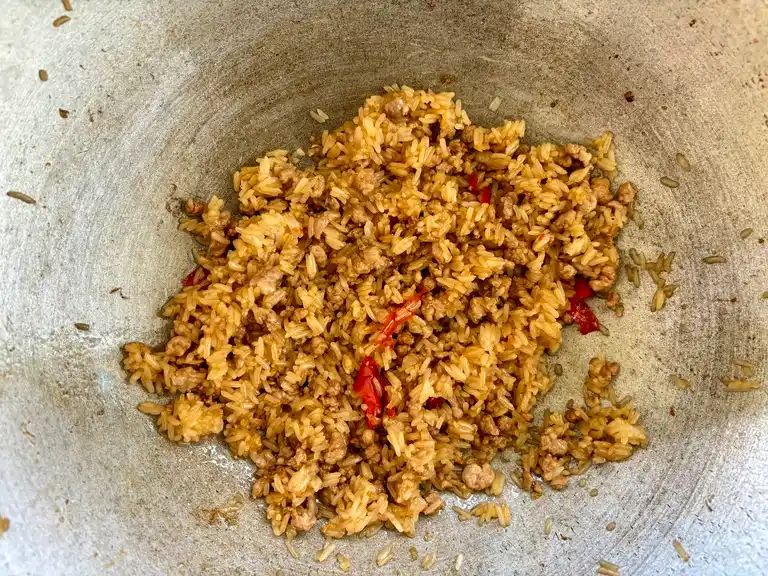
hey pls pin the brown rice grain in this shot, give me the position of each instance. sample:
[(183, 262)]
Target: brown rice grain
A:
[(611, 526), (414, 553), (43, 75), (746, 233), (558, 369), (5, 524), (67, 5), (714, 259), (61, 20), (63, 113), (82, 326), (669, 182), (21, 196)]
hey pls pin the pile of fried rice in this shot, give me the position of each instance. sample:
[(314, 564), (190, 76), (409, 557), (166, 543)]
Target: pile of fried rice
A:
[(369, 329)]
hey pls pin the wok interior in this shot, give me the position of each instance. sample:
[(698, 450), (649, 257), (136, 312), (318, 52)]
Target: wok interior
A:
[(166, 101)]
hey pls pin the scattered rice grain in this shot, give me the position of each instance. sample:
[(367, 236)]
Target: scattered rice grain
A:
[(344, 562), (681, 383), (603, 329), (609, 566), (429, 561), (558, 369), (429, 536), (681, 551), (746, 233), (714, 259), (384, 556), (414, 553), (459, 561), (611, 526), (636, 258), (658, 301), (64, 113), (5, 523), (497, 486), (682, 161), (548, 526), (325, 553), (495, 103), (738, 385), (582, 483), (633, 276), (21, 196), (82, 326), (669, 182), (593, 492), (291, 549), (322, 115), (67, 5), (43, 75), (316, 117), (61, 20)]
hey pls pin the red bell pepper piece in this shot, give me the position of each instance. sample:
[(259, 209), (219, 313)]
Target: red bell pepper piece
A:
[(398, 317), (472, 181), (369, 385), (579, 309), (485, 195)]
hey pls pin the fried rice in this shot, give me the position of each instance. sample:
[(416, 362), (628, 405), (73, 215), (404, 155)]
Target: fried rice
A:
[(440, 256)]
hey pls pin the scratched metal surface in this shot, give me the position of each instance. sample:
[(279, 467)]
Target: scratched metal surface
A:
[(166, 99)]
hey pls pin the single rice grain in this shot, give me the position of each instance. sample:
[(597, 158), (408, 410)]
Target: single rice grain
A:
[(384, 555), (669, 182), (681, 551), (459, 561), (21, 196), (344, 562), (61, 20), (682, 161)]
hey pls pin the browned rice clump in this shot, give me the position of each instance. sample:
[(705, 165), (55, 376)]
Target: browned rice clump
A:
[(289, 296)]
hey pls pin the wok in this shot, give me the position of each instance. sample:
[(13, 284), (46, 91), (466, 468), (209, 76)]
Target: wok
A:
[(165, 100)]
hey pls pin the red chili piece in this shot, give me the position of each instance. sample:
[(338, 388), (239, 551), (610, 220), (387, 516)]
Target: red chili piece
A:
[(579, 309), (369, 385), (190, 279), (398, 317), (484, 193), (434, 402)]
